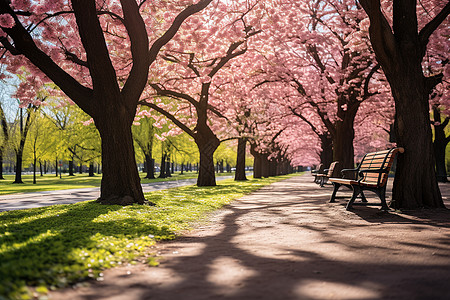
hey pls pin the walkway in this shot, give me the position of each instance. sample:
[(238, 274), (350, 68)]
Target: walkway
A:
[(286, 242), (38, 199)]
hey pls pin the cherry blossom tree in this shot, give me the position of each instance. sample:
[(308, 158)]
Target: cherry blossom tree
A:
[(400, 34), (190, 73), (98, 53), (323, 59)]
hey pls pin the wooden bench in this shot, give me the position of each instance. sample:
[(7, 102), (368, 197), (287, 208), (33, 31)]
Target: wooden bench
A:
[(315, 172), (327, 173), (371, 174)]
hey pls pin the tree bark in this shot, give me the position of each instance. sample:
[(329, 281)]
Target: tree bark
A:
[(206, 146), (19, 158), (150, 163), (415, 183), (265, 165), (120, 182), (71, 168), (91, 169), (326, 155), (34, 169), (1, 164), (440, 144), (240, 161), (162, 168), (343, 150)]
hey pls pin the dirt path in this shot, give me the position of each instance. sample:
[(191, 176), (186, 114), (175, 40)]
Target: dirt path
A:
[(286, 242)]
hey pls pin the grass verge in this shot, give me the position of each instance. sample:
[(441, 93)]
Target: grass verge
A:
[(52, 183), (55, 246)]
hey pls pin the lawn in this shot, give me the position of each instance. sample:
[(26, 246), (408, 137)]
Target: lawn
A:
[(50, 182), (55, 246)]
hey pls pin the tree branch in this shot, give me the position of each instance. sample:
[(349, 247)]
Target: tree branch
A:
[(173, 94), (170, 33), (170, 117), (428, 29), (139, 51)]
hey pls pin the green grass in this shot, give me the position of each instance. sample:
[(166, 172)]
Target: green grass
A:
[(55, 246), (51, 182)]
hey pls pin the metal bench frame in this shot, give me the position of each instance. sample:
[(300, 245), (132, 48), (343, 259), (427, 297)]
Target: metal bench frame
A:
[(372, 175)]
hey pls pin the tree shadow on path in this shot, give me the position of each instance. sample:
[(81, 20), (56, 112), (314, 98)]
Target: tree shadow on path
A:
[(285, 242)]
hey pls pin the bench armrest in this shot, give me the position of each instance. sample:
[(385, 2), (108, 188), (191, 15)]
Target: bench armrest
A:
[(373, 171), (361, 172), (346, 171)]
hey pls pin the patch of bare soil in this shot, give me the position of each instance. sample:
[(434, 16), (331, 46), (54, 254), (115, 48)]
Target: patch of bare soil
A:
[(287, 242)]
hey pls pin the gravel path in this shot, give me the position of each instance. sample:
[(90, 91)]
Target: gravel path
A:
[(286, 241)]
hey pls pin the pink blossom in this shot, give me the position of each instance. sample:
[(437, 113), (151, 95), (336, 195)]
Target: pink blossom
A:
[(88, 122), (6, 21), (21, 4)]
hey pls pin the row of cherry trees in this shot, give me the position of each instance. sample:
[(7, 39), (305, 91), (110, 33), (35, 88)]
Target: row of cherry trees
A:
[(300, 81)]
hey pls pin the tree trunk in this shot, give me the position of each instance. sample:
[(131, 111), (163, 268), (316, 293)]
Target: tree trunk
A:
[(265, 165), (162, 169), (91, 169), (257, 162), (40, 168), (71, 168), (415, 183), (326, 156), (440, 144), (400, 51), (1, 164), (168, 172), (273, 167), (150, 166), (34, 169), (120, 182), (343, 150), (206, 147), (56, 167), (19, 157)]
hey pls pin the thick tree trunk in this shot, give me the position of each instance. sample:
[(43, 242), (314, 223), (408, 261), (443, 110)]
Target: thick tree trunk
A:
[(326, 156), (19, 158), (415, 183), (120, 182), (265, 165), (343, 150), (257, 162), (440, 144), (273, 167), (400, 51), (240, 161), (206, 146)]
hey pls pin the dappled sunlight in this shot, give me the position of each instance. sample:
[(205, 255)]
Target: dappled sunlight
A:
[(228, 275), (319, 289), (279, 243)]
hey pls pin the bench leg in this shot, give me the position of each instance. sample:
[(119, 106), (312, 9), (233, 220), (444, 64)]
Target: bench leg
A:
[(363, 197), (336, 187), (356, 191), (382, 194)]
